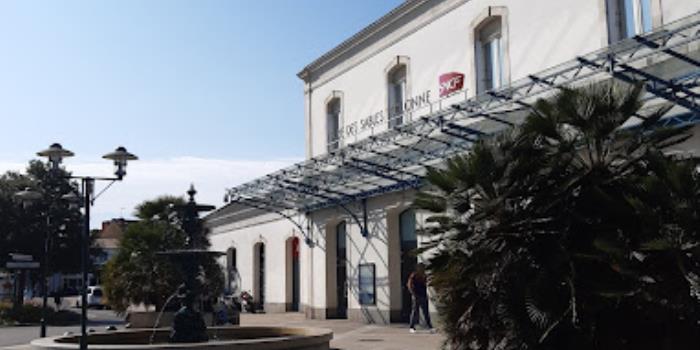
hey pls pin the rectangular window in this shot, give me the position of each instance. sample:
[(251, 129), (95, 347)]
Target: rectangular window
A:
[(629, 18), (645, 8), (397, 95), (367, 287), (490, 60), (493, 64), (630, 25), (333, 124), (398, 89)]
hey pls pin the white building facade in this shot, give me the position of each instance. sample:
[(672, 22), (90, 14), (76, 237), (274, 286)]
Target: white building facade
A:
[(332, 236)]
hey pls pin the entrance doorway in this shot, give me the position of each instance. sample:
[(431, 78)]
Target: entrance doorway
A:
[(407, 233), (341, 271), (292, 273), (259, 276)]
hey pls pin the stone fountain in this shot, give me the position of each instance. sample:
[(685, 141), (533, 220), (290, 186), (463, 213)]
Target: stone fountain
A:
[(189, 331)]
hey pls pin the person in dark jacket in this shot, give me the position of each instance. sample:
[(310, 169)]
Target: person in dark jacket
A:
[(418, 286), (57, 300)]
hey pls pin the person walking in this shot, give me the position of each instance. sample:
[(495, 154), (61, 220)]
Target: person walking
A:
[(418, 286), (57, 300)]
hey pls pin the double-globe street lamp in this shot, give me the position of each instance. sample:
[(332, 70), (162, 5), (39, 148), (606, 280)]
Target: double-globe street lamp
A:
[(55, 154)]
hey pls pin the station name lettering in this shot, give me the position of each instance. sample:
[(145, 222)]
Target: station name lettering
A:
[(379, 118)]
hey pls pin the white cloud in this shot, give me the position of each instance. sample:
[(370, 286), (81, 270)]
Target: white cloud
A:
[(147, 179)]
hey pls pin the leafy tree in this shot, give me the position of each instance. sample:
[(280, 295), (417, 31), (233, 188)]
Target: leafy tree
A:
[(572, 232), (22, 229), (137, 274)]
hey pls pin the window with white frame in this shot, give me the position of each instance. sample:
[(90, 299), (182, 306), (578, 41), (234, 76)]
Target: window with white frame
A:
[(627, 18), (333, 124), (397, 95), (489, 56)]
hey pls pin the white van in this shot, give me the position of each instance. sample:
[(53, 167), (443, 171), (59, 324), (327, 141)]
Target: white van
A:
[(94, 297)]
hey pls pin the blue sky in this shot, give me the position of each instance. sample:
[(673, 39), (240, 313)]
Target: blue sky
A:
[(203, 91)]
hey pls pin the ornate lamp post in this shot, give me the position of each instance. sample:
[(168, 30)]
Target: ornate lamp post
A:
[(55, 154)]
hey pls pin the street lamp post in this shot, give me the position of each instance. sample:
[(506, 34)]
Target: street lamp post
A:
[(28, 197), (55, 154)]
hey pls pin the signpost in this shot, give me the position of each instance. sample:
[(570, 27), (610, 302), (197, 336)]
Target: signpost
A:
[(22, 265), (21, 262), (21, 257), (18, 263)]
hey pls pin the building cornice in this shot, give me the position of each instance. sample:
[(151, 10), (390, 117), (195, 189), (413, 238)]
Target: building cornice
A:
[(363, 35)]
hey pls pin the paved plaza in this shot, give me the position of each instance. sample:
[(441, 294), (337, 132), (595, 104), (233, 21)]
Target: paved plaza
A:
[(19, 337), (347, 335)]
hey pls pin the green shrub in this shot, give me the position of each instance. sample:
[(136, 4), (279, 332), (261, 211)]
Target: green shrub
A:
[(30, 313), (26, 313)]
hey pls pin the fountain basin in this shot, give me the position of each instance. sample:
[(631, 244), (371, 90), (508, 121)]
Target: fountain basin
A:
[(147, 319), (221, 338)]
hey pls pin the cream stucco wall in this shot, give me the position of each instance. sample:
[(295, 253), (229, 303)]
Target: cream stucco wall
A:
[(436, 38), (539, 34), (380, 247), (274, 233)]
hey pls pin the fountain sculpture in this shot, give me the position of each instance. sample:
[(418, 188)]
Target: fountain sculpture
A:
[(189, 330), (188, 324)]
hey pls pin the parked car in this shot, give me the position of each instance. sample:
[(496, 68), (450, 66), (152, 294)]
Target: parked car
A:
[(94, 297)]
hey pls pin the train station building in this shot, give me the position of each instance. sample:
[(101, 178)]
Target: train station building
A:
[(331, 236)]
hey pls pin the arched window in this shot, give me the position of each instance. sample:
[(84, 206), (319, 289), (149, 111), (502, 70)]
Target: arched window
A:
[(397, 94), (490, 55), (333, 124), (627, 18)]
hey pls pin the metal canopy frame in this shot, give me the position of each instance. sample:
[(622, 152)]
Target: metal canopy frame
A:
[(395, 159)]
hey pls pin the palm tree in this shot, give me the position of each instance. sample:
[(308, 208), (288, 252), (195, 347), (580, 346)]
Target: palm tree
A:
[(137, 274), (572, 231)]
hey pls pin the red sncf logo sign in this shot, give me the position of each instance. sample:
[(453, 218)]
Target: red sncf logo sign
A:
[(451, 82)]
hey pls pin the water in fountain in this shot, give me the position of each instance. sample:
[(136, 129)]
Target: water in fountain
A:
[(160, 314)]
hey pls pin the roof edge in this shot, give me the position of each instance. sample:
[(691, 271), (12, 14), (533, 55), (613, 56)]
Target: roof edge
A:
[(359, 37)]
